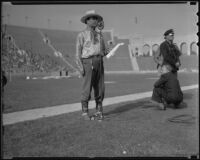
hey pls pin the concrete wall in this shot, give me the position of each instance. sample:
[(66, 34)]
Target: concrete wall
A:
[(186, 43)]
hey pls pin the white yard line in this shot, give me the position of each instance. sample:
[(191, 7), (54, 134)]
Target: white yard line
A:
[(153, 78), (110, 82), (15, 117)]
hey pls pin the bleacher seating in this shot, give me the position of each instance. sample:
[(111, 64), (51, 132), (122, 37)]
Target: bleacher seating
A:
[(64, 42), (30, 40), (121, 60)]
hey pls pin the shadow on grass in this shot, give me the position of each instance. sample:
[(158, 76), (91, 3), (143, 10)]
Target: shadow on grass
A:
[(126, 107), (139, 104), (181, 106), (187, 95)]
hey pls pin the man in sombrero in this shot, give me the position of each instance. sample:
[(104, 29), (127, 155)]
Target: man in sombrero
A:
[(90, 49)]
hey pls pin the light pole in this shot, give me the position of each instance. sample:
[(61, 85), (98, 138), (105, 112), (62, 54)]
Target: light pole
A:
[(69, 22), (9, 51), (8, 15), (26, 20), (135, 38), (138, 37), (3, 27), (49, 20)]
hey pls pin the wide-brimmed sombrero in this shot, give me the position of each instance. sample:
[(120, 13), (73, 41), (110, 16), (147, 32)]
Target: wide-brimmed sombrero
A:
[(91, 13)]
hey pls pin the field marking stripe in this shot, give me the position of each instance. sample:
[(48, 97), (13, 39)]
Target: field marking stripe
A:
[(20, 116)]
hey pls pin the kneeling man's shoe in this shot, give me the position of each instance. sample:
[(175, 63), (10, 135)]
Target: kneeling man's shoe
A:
[(161, 106)]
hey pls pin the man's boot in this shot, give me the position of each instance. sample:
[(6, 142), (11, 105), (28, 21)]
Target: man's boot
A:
[(99, 111), (85, 110)]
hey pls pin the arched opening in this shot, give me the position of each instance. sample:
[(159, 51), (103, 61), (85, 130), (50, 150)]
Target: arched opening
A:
[(155, 48), (193, 48), (183, 48), (146, 50)]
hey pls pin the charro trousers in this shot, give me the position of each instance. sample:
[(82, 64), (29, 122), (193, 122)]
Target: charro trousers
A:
[(93, 78)]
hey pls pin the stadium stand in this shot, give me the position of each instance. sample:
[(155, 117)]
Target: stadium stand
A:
[(40, 57), (29, 39), (121, 60), (64, 42)]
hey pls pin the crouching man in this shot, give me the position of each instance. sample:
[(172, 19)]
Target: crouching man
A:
[(167, 90)]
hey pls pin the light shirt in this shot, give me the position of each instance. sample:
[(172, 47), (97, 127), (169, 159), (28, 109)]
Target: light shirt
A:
[(88, 44)]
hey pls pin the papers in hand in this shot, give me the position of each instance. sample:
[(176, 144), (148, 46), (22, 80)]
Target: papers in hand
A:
[(112, 52)]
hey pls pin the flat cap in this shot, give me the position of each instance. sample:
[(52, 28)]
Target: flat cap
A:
[(168, 32)]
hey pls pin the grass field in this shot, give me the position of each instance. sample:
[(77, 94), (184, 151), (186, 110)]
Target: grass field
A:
[(136, 127), (22, 94)]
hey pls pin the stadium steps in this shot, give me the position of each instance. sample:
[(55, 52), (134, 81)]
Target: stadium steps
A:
[(135, 64), (133, 60), (121, 60), (64, 42)]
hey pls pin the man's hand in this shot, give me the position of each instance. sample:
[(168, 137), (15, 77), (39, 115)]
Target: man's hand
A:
[(108, 50)]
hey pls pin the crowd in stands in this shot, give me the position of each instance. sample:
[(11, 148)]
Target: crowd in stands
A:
[(18, 60)]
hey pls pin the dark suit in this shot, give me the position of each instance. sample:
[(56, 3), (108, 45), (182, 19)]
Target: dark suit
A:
[(171, 54), (167, 87)]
